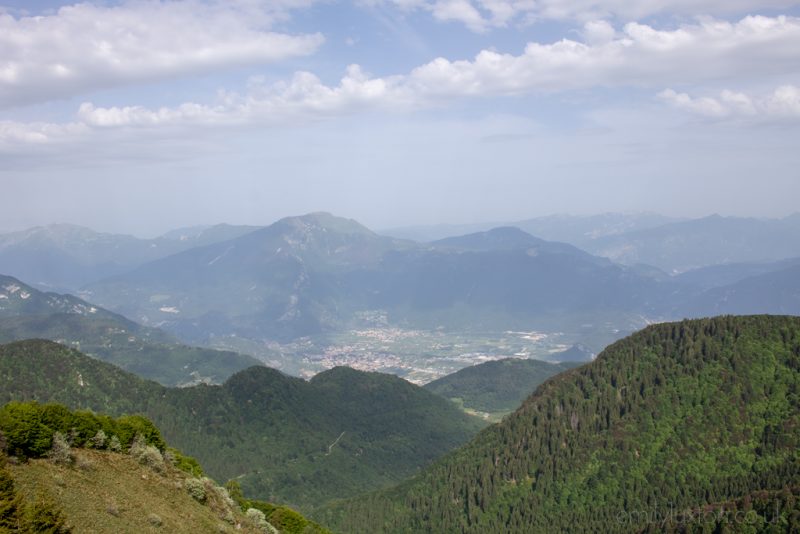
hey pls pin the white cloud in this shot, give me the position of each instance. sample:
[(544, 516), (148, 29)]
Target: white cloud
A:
[(640, 55), (304, 97), (85, 46), (482, 15), (783, 103), (20, 133), (637, 55), (460, 10), (598, 32)]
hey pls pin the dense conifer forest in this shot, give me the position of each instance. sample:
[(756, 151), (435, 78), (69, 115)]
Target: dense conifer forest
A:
[(676, 417)]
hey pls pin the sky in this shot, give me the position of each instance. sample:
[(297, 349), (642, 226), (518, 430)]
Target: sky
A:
[(140, 116)]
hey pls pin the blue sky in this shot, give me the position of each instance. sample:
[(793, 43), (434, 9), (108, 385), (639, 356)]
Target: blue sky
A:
[(141, 116)]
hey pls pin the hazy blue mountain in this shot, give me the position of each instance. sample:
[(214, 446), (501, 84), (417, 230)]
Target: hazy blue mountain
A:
[(578, 230), (714, 240), (496, 287), (65, 257), (434, 232), (307, 275), (727, 274), (775, 292), (283, 280), (198, 236), (507, 238), (26, 313), (582, 231)]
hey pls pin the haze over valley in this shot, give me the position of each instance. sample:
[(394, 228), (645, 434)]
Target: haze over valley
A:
[(311, 292)]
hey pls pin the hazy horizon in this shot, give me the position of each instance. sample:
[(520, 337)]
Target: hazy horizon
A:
[(394, 112), (378, 229)]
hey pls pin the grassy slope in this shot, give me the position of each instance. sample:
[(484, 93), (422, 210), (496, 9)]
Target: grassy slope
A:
[(117, 494), (274, 432)]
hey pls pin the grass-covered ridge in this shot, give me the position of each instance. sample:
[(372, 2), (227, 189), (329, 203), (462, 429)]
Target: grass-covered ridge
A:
[(83, 472), (676, 417), (284, 439)]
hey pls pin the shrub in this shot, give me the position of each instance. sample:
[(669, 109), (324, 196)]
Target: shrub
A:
[(114, 444), (196, 489), (146, 454), (185, 463), (155, 520), (259, 520), (132, 425), (235, 492), (61, 452), (226, 497), (99, 440), (42, 516)]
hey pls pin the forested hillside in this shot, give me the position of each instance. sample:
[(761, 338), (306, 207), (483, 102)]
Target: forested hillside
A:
[(676, 417), (284, 439), (496, 387)]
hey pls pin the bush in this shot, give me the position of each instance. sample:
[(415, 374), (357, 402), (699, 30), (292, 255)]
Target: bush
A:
[(146, 454), (99, 440), (196, 489), (235, 492), (185, 463), (259, 520), (132, 425), (61, 453), (114, 444)]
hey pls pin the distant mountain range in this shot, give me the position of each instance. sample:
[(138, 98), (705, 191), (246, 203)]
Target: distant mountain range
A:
[(308, 275), (316, 274), (574, 229), (714, 240), (674, 420), (26, 312), (65, 257), (282, 438), (776, 292), (672, 245)]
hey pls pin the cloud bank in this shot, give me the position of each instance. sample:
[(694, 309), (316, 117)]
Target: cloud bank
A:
[(484, 15), (86, 47), (783, 103), (636, 55)]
